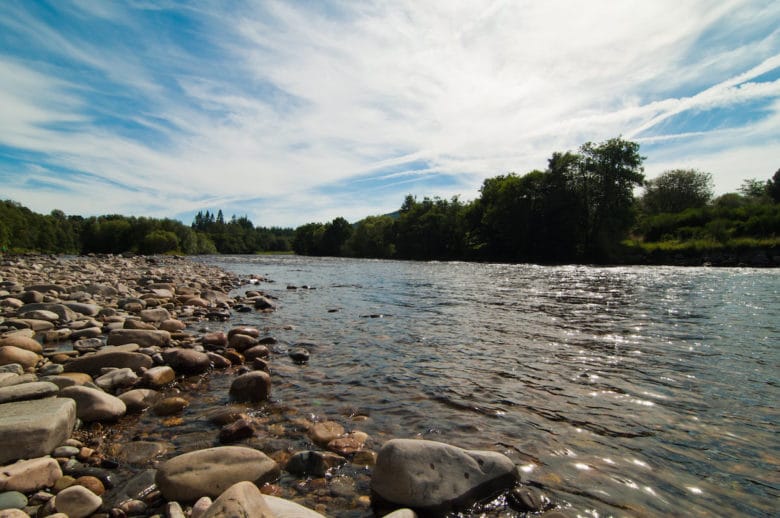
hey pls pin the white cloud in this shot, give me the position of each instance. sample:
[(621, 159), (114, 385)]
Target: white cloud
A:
[(290, 99)]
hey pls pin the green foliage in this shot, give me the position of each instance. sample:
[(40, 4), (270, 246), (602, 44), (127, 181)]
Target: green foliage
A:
[(159, 242), (239, 235), (753, 188), (431, 229), (773, 187), (677, 190), (373, 237), (308, 239)]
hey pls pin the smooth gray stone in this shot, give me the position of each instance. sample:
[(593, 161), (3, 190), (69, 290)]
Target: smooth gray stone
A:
[(94, 404), (437, 478), (30, 429), (142, 337), (12, 500), (93, 363), (89, 310), (27, 391), (64, 313)]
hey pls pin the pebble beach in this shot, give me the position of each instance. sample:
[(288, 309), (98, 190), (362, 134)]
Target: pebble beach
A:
[(89, 344)]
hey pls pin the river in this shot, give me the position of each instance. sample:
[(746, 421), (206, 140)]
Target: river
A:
[(647, 391)]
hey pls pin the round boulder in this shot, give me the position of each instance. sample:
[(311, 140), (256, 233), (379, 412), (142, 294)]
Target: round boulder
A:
[(252, 386), (437, 478), (211, 471), (93, 404)]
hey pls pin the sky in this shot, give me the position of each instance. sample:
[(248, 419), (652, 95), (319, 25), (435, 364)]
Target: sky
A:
[(304, 111)]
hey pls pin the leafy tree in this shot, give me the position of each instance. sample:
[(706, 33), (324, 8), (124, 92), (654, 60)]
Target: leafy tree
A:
[(335, 236), (677, 190), (308, 239), (160, 242), (753, 188), (372, 237), (773, 187)]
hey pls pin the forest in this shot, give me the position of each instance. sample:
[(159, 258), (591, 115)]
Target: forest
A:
[(22, 230), (582, 208)]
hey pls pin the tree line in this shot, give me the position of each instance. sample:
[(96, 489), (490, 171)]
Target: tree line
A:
[(22, 230), (581, 208)]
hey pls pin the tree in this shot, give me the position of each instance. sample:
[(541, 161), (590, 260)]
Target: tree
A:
[(335, 235), (160, 242), (609, 172), (677, 190), (753, 188), (373, 237), (773, 187)]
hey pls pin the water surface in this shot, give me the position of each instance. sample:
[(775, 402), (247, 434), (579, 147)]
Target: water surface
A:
[(619, 391)]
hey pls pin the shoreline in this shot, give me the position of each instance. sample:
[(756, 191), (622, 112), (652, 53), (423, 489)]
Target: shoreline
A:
[(123, 335)]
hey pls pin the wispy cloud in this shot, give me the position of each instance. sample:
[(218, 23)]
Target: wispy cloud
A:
[(290, 112)]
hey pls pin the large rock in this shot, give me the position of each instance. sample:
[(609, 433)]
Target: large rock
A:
[(30, 475), (94, 405), (436, 478), (142, 337), (22, 342), (26, 391), (287, 509), (252, 386), (92, 364), (137, 400), (187, 361), (10, 354), (117, 378), (157, 377), (241, 499), (155, 315), (62, 311), (211, 471), (31, 429), (77, 502)]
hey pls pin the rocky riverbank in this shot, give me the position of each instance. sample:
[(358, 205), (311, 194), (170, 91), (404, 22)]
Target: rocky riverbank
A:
[(90, 345)]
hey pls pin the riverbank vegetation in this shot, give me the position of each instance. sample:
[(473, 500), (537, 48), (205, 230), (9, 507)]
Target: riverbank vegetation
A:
[(582, 208), (22, 230), (592, 205)]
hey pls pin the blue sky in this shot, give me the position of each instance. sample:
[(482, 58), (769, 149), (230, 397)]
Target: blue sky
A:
[(291, 112)]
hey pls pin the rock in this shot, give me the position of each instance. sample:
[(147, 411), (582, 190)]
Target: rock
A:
[(142, 337), (172, 325), (242, 342), (170, 406), (252, 386), (299, 355), (282, 508), (12, 500), (27, 391), (155, 315), (64, 313), (51, 369), (13, 368), (187, 361), (402, 513), (137, 400), (18, 513), (92, 364), (313, 463), (218, 361), (132, 323), (133, 507), (39, 314), (245, 330), (211, 471), (174, 510), (10, 354), (69, 379), (22, 342), (324, 432), (200, 507), (137, 487), (89, 310), (264, 303), (348, 444), (92, 483), (236, 431), (94, 405), (215, 339), (115, 379), (258, 351), (65, 451), (29, 475), (63, 482), (12, 303), (87, 332), (527, 499), (8, 379), (77, 502), (436, 477), (241, 499), (158, 377), (30, 429)]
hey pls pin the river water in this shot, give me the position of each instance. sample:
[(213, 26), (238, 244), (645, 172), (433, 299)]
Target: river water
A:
[(632, 391)]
